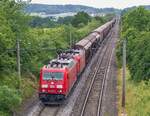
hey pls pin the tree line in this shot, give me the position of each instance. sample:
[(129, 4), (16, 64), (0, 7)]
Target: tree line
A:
[(136, 30), (79, 20)]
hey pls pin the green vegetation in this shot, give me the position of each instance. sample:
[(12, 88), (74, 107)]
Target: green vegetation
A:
[(38, 44), (136, 30), (65, 20), (39, 22), (56, 9), (137, 96), (81, 19), (10, 98)]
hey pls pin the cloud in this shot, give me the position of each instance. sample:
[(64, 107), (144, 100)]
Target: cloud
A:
[(98, 3)]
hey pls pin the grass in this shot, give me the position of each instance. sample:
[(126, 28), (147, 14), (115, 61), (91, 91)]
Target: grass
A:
[(11, 98), (137, 96)]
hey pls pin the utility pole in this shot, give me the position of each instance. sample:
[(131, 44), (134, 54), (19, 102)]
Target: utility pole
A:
[(18, 61), (56, 48), (70, 39), (70, 36), (123, 77)]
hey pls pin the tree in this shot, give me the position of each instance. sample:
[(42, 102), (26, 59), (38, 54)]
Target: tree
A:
[(14, 25), (81, 19), (98, 18), (65, 20), (42, 22), (135, 28), (138, 18)]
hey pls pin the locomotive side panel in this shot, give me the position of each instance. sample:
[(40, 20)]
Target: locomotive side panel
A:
[(71, 78)]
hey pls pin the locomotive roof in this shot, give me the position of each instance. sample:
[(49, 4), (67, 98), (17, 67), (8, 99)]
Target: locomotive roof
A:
[(65, 59), (70, 53), (61, 63)]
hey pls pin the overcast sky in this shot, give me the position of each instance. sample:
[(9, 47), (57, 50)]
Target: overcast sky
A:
[(97, 3)]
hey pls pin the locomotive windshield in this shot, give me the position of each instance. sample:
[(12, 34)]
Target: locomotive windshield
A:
[(53, 76)]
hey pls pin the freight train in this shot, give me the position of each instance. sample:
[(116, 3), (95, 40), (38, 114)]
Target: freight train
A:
[(59, 76)]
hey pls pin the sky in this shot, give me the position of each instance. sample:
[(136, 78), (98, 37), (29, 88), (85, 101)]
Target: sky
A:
[(97, 3)]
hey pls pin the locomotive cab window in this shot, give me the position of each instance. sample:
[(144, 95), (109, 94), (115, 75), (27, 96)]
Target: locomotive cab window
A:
[(53, 76), (71, 64)]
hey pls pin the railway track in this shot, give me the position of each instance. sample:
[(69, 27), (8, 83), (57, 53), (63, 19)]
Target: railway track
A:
[(49, 111), (89, 102), (93, 100)]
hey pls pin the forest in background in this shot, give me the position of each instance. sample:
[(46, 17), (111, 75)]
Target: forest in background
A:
[(38, 44), (56, 9)]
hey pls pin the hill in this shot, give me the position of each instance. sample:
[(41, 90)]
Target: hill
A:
[(147, 7), (134, 7), (56, 9)]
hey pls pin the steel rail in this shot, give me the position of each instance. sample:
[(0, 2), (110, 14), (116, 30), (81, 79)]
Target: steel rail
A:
[(93, 79), (103, 84), (55, 112)]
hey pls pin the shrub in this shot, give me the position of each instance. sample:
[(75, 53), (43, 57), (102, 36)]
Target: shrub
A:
[(9, 99), (135, 30)]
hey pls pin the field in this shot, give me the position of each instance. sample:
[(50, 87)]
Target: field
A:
[(137, 96)]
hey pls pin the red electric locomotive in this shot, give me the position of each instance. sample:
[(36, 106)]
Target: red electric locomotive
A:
[(58, 77)]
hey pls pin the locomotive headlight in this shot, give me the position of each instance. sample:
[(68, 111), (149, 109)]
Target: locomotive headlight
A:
[(59, 91), (59, 86), (43, 90), (45, 86)]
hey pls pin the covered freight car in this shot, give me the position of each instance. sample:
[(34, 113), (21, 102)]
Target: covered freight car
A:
[(90, 43)]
